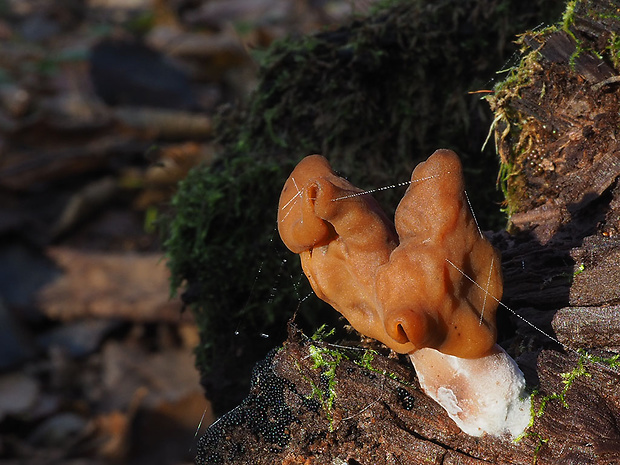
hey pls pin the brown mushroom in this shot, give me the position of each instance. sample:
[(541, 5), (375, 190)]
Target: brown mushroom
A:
[(442, 284), (342, 237), (411, 295), (428, 287)]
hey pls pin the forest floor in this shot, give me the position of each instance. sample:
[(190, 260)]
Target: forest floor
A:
[(104, 106)]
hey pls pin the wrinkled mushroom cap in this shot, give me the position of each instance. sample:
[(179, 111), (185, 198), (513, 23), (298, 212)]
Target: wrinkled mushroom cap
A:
[(299, 226), (342, 237), (443, 283), (436, 284)]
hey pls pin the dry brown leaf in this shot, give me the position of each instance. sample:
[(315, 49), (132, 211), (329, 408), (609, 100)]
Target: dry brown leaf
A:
[(22, 169), (109, 285), (169, 431), (113, 431), (164, 123), (176, 160), (83, 203), (171, 406), (189, 412), (172, 165), (168, 376)]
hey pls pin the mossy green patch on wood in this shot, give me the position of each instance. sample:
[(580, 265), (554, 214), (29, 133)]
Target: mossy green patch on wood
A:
[(327, 358), (566, 55), (225, 256), (327, 361), (541, 401)]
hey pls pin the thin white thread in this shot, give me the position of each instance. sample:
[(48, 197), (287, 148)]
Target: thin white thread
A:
[(364, 409), (224, 416), (198, 427), (340, 346), (384, 188), (291, 200), (564, 346), (383, 379), (373, 403), (401, 184), (508, 308), (486, 291), (370, 405), (472, 213)]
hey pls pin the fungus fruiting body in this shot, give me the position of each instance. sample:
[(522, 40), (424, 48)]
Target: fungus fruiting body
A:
[(427, 285)]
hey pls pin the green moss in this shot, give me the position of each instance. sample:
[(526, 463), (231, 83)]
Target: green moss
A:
[(568, 379), (366, 362), (382, 93), (327, 357), (509, 125), (516, 133), (223, 251), (578, 270), (322, 333), (519, 135), (568, 18), (540, 444), (613, 49), (327, 360)]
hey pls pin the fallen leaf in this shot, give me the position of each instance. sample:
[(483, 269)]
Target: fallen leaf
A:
[(109, 285), (168, 376)]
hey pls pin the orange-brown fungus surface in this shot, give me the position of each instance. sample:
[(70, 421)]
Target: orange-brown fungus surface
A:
[(431, 281)]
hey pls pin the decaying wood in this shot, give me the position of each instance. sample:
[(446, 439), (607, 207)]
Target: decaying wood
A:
[(587, 327), (597, 277), (379, 416), (558, 129), (581, 427)]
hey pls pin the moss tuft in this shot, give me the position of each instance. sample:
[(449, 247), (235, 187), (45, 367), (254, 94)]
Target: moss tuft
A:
[(224, 253), (521, 101)]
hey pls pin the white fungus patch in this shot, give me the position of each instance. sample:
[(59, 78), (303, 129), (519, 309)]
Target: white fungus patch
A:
[(482, 395)]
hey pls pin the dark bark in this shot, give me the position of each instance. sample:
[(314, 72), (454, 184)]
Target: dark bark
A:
[(379, 415)]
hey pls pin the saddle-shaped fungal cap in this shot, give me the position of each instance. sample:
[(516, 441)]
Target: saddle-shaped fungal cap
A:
[(342, 237), (442, 284), (435, 284), (428, 287)]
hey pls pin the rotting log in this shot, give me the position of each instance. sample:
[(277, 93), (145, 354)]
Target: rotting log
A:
[(557, 130), (558, 135), (316, 403)]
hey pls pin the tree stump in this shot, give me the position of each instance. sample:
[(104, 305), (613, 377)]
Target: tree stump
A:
[(557, 128)]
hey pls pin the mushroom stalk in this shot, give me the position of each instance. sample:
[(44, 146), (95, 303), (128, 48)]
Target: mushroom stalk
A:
[(481, 395)]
